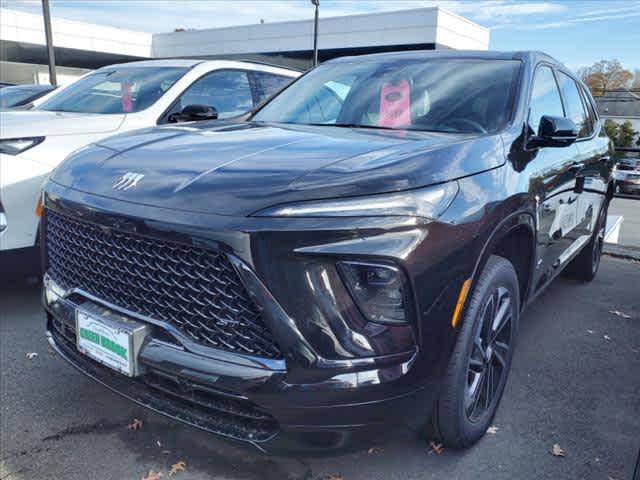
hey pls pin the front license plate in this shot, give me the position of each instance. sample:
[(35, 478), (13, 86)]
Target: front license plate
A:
[(110, 339)]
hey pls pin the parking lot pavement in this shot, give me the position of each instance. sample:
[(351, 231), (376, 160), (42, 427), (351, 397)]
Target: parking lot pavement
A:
[(574, 382), (629, 208)]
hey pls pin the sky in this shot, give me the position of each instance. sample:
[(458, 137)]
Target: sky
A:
[(576, 32)]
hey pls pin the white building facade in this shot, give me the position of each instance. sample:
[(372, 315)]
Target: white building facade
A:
[(80, 47)]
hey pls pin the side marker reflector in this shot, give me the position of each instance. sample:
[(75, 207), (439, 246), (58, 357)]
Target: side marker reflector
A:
[(39, 207), (461, 298)]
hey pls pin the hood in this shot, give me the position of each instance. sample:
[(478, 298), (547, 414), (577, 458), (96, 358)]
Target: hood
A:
[(237, 169), (36, 123)]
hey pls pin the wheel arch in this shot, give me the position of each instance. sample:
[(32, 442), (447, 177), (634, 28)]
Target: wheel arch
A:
[(507, 239)]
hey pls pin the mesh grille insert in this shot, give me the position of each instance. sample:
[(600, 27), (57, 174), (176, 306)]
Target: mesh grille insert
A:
[(195, 290)]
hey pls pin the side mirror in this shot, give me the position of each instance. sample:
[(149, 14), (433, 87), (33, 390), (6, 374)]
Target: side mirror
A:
[(554, 132), (194, 113)]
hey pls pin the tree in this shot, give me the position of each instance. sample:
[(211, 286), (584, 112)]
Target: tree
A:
[(611, 128), (605, 75), (636, 80), (626, 134)]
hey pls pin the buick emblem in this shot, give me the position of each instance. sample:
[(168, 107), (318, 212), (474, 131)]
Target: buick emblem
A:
[(127, 181)]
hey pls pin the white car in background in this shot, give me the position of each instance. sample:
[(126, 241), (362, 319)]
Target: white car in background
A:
[(107, 101)]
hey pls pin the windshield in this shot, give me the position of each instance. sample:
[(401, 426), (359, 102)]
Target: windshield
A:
[(449, 95), (115, 90), (13, 96)]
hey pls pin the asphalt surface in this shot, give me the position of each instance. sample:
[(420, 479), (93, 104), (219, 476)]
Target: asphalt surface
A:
[(575, 382), (629, 208)]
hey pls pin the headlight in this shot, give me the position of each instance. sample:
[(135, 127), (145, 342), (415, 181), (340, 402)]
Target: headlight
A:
[(379, 290), (14, 146), (428, 202)]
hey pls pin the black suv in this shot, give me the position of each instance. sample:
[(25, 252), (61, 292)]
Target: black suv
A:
[(348, 262)]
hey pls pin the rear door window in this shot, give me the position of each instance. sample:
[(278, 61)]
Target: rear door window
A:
[(574, 105), (266, 84), (592, 116)]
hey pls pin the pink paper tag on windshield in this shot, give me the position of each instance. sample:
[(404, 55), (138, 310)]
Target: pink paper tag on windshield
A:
[(127, 103), (395, 104)]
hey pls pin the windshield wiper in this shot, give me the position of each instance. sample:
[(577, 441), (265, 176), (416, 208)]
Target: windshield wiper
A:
[(357, 125)]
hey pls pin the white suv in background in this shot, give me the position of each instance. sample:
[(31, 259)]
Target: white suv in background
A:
[(107, 101)]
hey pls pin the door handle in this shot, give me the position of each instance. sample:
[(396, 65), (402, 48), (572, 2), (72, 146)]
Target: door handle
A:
[(605, 159), (575, 166)]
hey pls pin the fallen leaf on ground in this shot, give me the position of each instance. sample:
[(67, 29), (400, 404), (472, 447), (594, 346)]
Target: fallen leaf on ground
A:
[(436, 448), (158, 443), (620, 314), (492, 430), (31, 355), (590, 332), (557, 451), (135, 424), (333, 477), (151, 475), (607, 337), (374, 450), (177, 467)]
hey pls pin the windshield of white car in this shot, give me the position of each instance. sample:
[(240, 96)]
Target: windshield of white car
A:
[(115, 90), (19, 94), (441, 95)]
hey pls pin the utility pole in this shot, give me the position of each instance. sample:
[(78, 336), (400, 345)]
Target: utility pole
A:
[(50, 53), (315, 33)]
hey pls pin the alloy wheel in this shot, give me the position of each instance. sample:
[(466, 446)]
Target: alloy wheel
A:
[(489, 358)]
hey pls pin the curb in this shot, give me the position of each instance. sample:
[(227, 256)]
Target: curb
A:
[(618, 251)]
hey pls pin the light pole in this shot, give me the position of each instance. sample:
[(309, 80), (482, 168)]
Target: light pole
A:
[(315, 33), (50, 53)]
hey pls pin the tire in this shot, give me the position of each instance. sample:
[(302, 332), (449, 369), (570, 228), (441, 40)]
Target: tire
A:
[(461, 418), (585, 266)]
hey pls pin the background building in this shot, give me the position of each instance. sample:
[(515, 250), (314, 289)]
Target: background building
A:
[(80, 46), (292, 42)]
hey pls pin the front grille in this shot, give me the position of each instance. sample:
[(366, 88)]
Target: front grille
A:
[(195, 290)]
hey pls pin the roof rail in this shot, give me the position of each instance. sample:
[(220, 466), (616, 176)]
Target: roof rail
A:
[(266, 64)]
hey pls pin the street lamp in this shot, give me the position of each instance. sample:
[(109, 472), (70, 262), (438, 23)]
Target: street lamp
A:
[(49, 40), (315, 33)]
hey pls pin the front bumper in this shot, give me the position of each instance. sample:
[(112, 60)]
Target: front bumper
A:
[(252, 404), (337, 386)]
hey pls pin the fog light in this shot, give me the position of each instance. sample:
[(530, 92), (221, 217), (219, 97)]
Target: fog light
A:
[(379, 290)]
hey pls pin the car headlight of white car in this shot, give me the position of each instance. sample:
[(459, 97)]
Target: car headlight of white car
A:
[(15, 146)]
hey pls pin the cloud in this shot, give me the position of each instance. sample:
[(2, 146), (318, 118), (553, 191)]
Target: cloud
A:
[(569, 22), (163, 15)]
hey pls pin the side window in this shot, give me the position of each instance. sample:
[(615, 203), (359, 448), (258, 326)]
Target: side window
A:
[(266, 84), (574, 104), (228, 91), (545, 98), (592, 117)]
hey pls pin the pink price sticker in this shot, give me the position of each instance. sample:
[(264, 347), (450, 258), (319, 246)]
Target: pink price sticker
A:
[(395, 104), (127, 101)]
